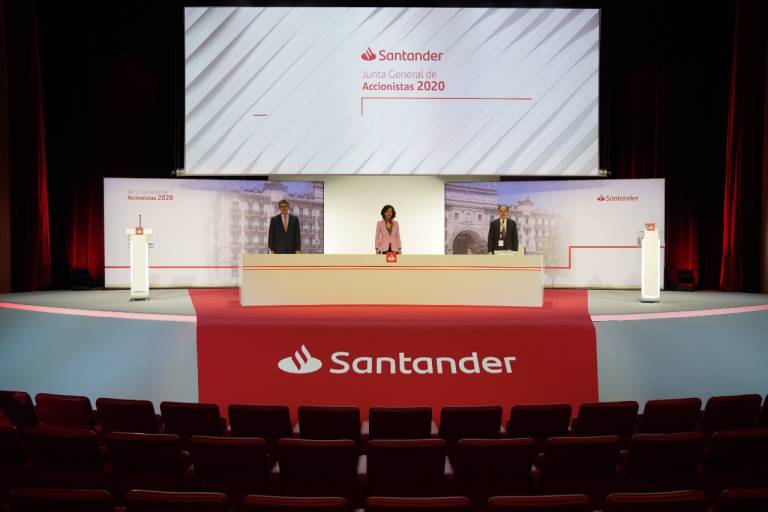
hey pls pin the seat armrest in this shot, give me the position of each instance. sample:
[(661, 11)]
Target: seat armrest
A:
[(362, 465), (448, 468)]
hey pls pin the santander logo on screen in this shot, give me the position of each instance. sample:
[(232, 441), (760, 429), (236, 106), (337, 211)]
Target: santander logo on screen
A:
[(602, 198), (401, 55)]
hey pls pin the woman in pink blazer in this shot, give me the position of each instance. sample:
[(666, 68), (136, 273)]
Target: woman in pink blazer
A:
[(388, 232)]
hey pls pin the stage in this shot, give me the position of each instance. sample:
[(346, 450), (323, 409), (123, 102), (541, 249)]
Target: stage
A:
[(177, 301), (201, 345)]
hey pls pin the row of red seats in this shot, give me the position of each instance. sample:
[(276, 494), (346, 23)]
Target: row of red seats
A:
[(483, 467), (54, 500), (272, 422), (478, 468)]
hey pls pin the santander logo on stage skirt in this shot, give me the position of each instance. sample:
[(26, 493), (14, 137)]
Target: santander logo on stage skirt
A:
[(395, 356), (344, 362)]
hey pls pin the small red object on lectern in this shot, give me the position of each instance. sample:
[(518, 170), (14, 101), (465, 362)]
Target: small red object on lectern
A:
[(391, 257), (650, 227), (139, 230)]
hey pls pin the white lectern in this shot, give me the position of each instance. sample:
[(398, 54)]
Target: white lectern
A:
[(140, 239), (650, 266)]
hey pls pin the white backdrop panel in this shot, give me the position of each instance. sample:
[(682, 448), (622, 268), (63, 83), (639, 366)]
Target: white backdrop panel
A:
[(201, 227), (353, 206), (587, 230)]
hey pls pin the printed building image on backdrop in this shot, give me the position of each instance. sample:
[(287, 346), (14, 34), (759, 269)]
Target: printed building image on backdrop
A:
[(587, 231), (470, 207), (242, 218), (201, 227)]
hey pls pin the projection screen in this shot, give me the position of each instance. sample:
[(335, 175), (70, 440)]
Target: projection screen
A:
[(367, 90)]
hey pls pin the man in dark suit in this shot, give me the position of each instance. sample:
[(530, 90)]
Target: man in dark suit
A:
[(284, 232), (502, 235)]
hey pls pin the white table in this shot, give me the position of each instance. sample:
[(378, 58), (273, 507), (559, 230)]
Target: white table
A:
[(322, 279)]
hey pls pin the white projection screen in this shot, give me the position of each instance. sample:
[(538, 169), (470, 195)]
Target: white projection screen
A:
[(367, 90)]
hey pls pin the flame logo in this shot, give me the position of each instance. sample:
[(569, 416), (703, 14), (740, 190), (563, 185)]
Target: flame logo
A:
[(301, 362), (601, 198), (368, 55)]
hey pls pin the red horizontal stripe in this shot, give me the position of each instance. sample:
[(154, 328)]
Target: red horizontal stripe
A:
[(393, 267), (176, 266)]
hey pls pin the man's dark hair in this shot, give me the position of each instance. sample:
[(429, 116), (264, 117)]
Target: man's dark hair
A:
[(387, 207), (502, 206), (283, 202)]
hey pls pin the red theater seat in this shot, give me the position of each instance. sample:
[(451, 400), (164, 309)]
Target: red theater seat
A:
[(118, 415), (235, 466), (60, 500), (583, 465), (561, 503), (736, 458), (321, 422), (187, 419), (293, 504), (539, 422), (158, 501), (310, 467), (146, 461), (668, 416), (5, 421), (742, 500), (730, 413), (14, 462), (446, 504), (663, 462), (493, 467), (406, 468), (480, 422), (676, 501), (606, 419), (269, 422), (18, 407), (65, 411), (398, 423), (67, 458)]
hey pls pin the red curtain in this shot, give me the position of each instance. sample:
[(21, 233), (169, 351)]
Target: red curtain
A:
[(42, 253), (30, 236), (746, 158), (663, 110)]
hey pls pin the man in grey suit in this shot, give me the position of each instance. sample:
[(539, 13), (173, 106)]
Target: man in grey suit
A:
[(502, 234), (284, 232)]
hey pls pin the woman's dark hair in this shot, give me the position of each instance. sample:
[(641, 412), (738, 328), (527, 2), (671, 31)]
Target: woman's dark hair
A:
[(387, 207)]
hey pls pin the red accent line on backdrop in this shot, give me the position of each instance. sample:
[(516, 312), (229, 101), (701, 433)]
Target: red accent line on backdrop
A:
[(568, 267), (499, 98), (572, 247), (176, 266)]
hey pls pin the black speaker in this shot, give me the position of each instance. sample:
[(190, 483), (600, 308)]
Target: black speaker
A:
[(80, 279), (685, 279)]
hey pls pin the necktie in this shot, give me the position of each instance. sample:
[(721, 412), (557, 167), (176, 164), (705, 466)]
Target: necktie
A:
[(503, 229), (285, 223)]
